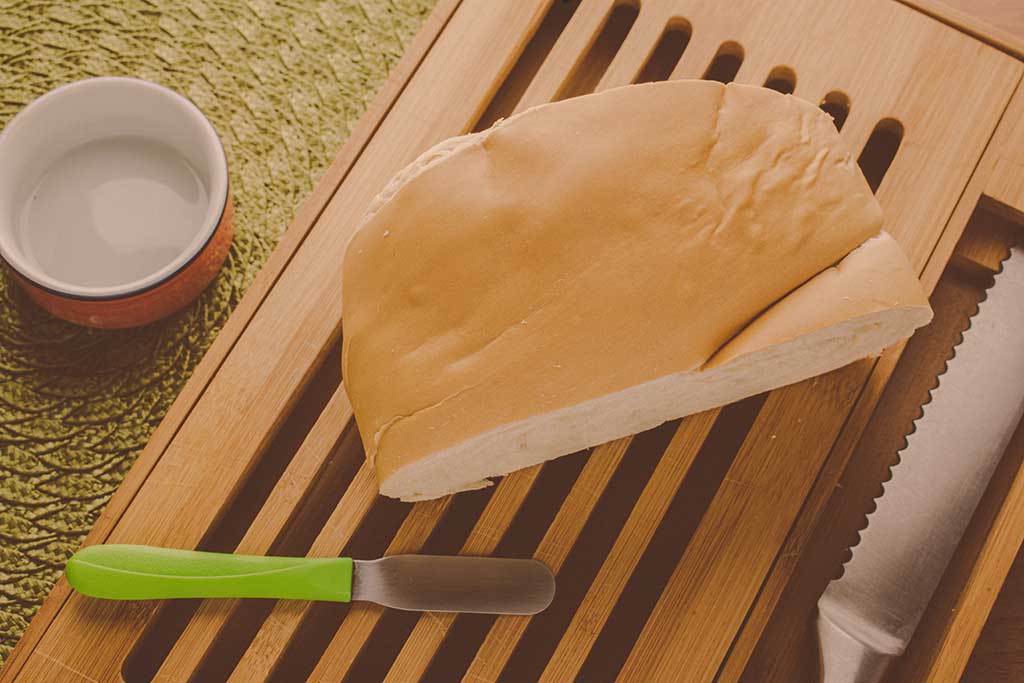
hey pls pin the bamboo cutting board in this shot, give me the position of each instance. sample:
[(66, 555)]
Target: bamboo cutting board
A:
[(691, 552)]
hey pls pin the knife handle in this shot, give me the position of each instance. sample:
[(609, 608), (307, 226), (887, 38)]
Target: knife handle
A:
[(139, 572), (845, 658)]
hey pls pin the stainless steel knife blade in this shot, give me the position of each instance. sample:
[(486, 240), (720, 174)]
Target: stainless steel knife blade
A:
[(439, 583), (866, 617)]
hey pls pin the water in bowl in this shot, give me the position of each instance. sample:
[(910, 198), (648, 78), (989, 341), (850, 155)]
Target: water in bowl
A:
[(113, 211)]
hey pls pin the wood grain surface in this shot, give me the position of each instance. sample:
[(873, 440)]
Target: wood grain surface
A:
[(998, 655), (997, 22), (1007, 15)]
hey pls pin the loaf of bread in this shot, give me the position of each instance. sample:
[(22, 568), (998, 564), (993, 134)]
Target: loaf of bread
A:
[(592, 268)]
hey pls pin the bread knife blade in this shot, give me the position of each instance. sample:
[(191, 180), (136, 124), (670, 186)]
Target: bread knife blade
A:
[(436, 583), (867, 617)]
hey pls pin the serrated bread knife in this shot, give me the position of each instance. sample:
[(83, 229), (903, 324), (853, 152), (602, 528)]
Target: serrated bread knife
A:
[(866, 617), (432, 583)]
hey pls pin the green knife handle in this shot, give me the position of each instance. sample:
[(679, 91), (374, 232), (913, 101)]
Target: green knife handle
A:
[(139, 572)]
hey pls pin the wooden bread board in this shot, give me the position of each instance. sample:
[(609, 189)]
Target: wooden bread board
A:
[(693, 552)]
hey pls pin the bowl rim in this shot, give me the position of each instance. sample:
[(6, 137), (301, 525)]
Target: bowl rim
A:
[(202, 236)]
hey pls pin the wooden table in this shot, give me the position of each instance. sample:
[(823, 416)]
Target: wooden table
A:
[(1005, 14), (999, 654), (698, 552)]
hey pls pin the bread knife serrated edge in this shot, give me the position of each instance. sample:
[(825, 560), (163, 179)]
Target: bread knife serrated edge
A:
[(867, 617)]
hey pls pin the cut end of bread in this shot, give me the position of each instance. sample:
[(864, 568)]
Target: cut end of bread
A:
[(854, 310), (523, 444)]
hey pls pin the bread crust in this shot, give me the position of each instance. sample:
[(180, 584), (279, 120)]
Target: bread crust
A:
[(586, 248)]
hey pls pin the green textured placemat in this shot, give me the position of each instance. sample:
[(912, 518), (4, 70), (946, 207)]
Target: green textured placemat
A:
[(283, 84)]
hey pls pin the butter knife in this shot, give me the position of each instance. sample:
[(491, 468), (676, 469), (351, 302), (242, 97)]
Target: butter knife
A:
[(435, 583)]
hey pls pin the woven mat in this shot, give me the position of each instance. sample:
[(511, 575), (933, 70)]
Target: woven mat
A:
[(283, 84)]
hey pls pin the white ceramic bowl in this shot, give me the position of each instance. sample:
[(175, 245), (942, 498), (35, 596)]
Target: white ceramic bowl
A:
[(114, 201)]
